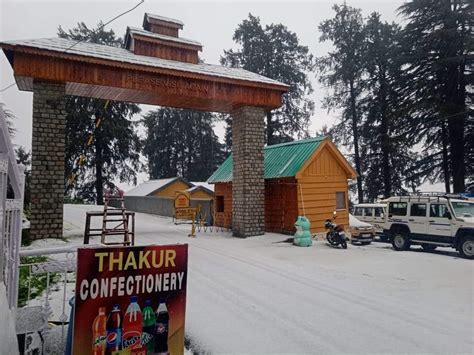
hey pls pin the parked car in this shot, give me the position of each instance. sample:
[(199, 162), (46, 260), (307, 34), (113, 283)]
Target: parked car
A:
[(431, 221), (373, 213), (361, 232)]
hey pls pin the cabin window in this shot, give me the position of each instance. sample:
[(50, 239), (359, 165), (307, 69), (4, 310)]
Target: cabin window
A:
[(219, 203), (358, 211), (368, 211), (398, 208), (439, 210), (340, 201), (378, 212), (418, 210)]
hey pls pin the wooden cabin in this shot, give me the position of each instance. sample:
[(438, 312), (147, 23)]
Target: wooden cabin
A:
[(158, 196), (167, 188), (307, 177)]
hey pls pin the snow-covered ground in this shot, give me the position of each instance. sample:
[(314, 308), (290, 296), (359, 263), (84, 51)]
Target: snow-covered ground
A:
[(261, 294)]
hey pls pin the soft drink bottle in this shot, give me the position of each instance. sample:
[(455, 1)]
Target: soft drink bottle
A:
[(161, 328), (99, 333), (148, 327), (114, 331), (132, 326)]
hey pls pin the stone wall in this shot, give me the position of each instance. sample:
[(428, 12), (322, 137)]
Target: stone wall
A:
[(47, 171), (248, 189)]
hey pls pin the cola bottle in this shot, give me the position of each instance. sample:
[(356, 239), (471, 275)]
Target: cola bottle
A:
[(114, 331), (132, 326), (161, 329), (99, 333)]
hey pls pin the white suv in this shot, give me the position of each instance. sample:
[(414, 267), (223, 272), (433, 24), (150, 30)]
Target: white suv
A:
[(431, 221), (373, 213)]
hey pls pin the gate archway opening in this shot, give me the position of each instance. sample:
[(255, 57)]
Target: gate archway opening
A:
[(155, 67)]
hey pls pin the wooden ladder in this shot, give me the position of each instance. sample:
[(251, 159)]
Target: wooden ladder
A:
[(115, 216)]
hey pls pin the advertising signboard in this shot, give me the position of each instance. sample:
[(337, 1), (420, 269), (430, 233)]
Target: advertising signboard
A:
[(130, 300), (181, 200)]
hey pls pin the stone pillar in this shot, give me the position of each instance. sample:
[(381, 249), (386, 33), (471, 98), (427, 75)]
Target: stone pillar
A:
[(47, 169), (248, 187)]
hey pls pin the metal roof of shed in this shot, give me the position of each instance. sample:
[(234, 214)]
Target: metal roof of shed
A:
[(280, 160)]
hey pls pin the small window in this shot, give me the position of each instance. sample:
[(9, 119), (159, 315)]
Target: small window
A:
[(368, 211), (378, 212), (340, 201), (398, 209), (219, 204), (438, 210), (358, 211), (418, 210)]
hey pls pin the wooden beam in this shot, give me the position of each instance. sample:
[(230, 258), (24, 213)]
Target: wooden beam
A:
[(156, 88)]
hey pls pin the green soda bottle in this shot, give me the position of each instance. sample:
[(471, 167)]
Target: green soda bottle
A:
[(148, 327)]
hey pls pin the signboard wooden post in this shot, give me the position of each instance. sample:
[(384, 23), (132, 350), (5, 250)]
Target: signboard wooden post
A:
[(130, 300)]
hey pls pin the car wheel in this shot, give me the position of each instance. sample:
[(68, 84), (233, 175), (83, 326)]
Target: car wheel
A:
[(466, 248), (400, 241), (428, 247)]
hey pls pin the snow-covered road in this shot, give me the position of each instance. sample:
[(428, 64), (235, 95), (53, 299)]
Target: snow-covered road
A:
[(261, 295)]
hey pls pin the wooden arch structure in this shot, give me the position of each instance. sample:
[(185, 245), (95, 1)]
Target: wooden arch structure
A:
[(155, 67)]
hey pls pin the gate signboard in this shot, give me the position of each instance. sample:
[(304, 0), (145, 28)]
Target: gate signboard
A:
[(130, 300)]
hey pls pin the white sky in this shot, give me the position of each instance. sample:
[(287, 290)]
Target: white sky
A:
[(211, 23)]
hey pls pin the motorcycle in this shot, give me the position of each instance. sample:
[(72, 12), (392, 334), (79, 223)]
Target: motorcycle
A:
[(335, 234)]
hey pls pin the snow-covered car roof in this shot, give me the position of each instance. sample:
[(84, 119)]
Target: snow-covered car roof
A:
[(354, 222), (458, 200), (371, 205)]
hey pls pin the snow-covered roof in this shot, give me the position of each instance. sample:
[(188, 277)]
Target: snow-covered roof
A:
[(139, 31), (203, 184), (163, 18), (150, 186), (115, 54), (354, 222)]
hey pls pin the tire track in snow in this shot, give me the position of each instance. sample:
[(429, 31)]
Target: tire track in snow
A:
[(331, 334), (268, 312), (423, 326)]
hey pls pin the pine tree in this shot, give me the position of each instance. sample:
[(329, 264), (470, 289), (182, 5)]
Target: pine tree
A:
[(275, 52), (384, 139), (181, 143), (342, 71), (114, 151), (437, 43)]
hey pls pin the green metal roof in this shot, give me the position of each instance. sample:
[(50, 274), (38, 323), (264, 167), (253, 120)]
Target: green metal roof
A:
[(280, 160)]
